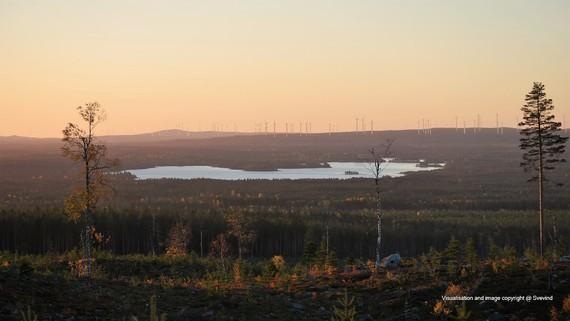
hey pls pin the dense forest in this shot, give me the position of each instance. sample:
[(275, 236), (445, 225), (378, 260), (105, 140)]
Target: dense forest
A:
[(279, 231)]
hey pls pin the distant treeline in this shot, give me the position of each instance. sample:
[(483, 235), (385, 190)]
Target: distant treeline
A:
[(461, 185), (278, 231)]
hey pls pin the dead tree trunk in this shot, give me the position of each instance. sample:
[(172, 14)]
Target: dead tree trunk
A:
[(377, 170)]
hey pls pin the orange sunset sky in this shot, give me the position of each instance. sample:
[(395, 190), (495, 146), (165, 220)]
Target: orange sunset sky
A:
[(198, 64)]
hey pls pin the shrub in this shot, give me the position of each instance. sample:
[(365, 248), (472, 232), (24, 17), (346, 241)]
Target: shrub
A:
[(536, 262), (178, 240), (462, 314), (565, 309), (28, 315), (278, 262)]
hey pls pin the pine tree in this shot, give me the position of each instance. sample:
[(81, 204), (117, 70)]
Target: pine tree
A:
[(471, 256), (331, 261), (322, 255), (452, 251), (346, 311), (452, 256), (542, 145), (310, 253)]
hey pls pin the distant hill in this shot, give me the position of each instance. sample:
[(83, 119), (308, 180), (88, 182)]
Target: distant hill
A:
[(163, 135), (169, 134), (23, 139)]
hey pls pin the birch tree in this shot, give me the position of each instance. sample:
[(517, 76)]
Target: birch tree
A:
[(379, 161), (80, 145)]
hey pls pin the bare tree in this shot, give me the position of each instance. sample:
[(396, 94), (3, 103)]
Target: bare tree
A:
[(542, 145), (378, 165), (80, 145)]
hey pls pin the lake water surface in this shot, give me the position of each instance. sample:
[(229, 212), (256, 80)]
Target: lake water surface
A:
[(337, 170)]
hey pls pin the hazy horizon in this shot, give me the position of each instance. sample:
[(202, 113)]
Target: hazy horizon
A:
[(469, 131), (233, 66)]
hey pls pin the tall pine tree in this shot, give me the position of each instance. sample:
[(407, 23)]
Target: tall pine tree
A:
[(542, 145)]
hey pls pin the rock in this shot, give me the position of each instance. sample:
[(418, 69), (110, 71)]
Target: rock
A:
[(302, 295), (297, 307), (391, 261), (187, 315), (496, 316), (208, 314), (322, 288), (329, 295), (324, 313), (231, 302), (356, 275), (406, 316), (366, 317)]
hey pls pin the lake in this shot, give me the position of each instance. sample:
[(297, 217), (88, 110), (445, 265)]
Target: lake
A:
[(337, 170)]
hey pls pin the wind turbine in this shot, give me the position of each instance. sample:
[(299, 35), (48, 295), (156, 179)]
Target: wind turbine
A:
[(418, 126)]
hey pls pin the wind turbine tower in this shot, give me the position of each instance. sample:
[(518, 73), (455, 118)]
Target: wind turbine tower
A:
[(478, 123), (456, 124)]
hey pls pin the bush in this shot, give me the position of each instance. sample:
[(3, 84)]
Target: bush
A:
[(178, 240)]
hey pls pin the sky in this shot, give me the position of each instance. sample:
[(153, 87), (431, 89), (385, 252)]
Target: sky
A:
[(233, 65)]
